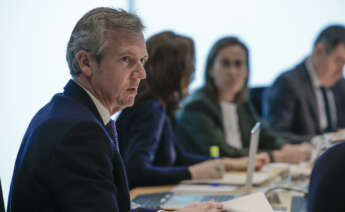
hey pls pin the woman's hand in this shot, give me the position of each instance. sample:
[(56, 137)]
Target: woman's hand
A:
[(241, 164), (209, 206), (209, 169), (293, 153), (262, 159), (235, 164)]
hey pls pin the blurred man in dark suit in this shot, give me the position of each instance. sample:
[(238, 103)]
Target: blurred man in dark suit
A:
[(327, 186), (69, 158), (310, 99)]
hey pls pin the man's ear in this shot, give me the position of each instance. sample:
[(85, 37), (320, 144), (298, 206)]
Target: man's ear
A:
[(320, 49), (85, 62)]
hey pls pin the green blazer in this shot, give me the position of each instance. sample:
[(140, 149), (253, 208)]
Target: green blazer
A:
[(199, 125)]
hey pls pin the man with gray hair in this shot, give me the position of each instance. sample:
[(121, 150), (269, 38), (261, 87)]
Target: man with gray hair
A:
[(69, 158), (309, 99)]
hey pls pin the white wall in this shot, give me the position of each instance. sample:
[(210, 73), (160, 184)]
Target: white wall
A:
[(35, 33), (279, 33)]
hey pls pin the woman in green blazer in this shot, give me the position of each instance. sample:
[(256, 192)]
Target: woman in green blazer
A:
[(200, 122)]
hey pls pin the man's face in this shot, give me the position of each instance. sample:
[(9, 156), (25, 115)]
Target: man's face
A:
[(331, 65), (116, 77)]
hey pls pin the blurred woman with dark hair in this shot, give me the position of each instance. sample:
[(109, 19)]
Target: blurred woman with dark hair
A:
[(145, 130), (220, 113)]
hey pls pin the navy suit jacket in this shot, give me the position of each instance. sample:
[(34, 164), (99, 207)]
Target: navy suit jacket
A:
[(290, 105), (327, 185), (148, 146), (67, 160)]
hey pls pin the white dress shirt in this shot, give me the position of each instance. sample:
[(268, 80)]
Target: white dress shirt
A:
[(103, 111), (231, 125), (320, 101)]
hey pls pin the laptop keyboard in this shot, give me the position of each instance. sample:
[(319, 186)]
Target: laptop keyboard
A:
[(217, 198), (156, 200), (152, 200), (298, 204)]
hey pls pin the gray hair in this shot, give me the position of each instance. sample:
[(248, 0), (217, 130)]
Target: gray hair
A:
[(88, 33)]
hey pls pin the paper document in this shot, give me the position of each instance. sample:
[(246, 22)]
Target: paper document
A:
[(236, 178), (249, 203)]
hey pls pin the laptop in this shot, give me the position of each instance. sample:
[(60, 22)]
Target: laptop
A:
[(171, 200), (174, 201), (240, 178)]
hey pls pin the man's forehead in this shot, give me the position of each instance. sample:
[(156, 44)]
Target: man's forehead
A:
[(125, 41)]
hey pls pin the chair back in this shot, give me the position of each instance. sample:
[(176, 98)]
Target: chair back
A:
[(256, 97)]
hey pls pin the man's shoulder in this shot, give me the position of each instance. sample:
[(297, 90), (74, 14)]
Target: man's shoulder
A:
[(61, 121), (60, 115), (329, 164), (66, 108), (297, 76), (339, 86), (327, 181), (295, 72), (335, 153)]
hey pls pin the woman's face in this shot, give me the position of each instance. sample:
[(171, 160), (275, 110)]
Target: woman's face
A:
[(230, 69)]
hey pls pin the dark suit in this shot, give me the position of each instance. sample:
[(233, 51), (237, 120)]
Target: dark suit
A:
[(327, 185), (68, 161), (149, 148), (290, 105)]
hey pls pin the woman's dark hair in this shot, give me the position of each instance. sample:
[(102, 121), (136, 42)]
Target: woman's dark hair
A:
[(170, 63), (214, 52)]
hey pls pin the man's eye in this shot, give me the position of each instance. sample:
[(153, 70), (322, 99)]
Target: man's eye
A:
[(125, 59), (143, 61)]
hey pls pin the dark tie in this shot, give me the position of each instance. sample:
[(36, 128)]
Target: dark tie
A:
[(112, 131), (327, 110)]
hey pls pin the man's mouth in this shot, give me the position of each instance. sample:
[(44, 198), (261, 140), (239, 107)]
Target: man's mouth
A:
[(133, 89)]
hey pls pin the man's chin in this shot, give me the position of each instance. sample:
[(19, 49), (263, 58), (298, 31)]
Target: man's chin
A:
[(331, 83), (127, 102)]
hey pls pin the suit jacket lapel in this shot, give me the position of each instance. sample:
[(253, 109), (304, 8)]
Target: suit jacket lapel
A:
[(121, 181), (77, 93), (310, 95)]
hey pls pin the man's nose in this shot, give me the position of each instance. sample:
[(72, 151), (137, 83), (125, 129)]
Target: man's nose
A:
[(140, 72)]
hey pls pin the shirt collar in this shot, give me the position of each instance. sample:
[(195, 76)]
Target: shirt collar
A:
[(311, 71), (103, 111)]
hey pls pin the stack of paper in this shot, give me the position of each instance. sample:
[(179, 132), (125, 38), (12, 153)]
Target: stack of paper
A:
[(249, 203)]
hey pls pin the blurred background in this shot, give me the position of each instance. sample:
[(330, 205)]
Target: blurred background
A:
[(34, 35)]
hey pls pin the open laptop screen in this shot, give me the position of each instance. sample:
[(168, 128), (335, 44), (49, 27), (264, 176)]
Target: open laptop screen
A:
[(253, 148)]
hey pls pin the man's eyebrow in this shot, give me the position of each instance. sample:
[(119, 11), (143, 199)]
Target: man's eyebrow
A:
[(127, 51)]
